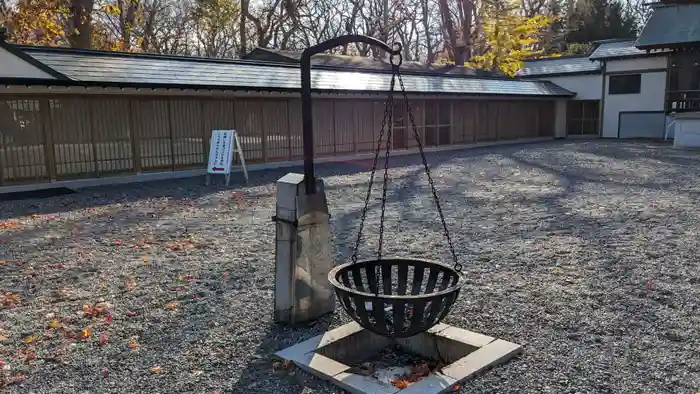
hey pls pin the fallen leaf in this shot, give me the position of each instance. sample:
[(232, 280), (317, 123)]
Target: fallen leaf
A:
[(29, 339), (86, 333), (131, 313), (400, 384), (117, 242), (53, 324), (133, 346), (10, 299), (145, 259), (17, 378), (109, 318), (556, 271), (156, 370), (30, 356), (172, 305), (9, 224), (456, 388), (103, 339), (105, 372), (130, 283)]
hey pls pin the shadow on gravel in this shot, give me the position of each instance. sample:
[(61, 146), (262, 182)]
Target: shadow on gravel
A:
[(193, 188), (261, 373)]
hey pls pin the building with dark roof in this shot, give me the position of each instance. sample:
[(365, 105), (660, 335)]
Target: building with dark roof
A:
[(631, 88), (343, 62), (70, 114)]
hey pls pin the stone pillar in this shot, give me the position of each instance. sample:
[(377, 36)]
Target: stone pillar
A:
[(303, 253), (560, 119)]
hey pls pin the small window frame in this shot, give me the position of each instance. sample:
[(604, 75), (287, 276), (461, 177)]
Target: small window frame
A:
[(625, 84)]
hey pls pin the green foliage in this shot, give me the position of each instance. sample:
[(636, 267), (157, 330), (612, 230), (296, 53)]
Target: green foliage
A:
[(577, 48)]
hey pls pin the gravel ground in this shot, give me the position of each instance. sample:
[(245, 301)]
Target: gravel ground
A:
[(583, 251)]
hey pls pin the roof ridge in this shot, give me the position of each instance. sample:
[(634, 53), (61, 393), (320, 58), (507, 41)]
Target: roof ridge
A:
[(556, 58)]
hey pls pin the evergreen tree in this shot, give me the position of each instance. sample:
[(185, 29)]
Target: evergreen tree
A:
[(593, 20)]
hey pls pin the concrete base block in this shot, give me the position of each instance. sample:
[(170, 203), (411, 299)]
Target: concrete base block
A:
[(329, 356)]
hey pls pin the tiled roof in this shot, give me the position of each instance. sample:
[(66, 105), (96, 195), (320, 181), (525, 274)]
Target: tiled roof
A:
[(559, 66), (184, 72), (671, 26), (617, 49), (364, 63)]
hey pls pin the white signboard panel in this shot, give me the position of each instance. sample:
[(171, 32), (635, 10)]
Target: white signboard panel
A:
[(221, 151)]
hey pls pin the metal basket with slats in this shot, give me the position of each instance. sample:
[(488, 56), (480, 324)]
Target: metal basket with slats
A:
[(396, 297)]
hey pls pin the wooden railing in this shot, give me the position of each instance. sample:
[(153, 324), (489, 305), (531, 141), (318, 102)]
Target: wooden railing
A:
[(682, 101)]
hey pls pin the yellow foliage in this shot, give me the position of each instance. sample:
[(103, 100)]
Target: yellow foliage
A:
[(40, 22), (510, 38)]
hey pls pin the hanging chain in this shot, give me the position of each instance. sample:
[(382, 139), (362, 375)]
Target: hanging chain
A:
[(390, 105), (374, 169), (457, 265), (388, 115)]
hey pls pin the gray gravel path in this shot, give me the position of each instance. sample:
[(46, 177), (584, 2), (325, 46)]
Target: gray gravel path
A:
[(583, 251)]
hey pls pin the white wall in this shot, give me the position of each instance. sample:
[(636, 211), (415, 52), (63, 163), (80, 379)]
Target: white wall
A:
[(650, 98), (645, 63), (13, 67), (586, 87)]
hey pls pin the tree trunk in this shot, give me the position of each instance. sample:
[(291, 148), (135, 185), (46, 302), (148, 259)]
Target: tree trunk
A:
[(448, 28), (80, 35), (468, 9), (242, 30), (426, 27)]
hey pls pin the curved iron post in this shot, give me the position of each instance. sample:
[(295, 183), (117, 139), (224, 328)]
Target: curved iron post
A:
[(306, 110)]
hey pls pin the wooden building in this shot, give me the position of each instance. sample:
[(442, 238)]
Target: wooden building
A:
[(68, 114)]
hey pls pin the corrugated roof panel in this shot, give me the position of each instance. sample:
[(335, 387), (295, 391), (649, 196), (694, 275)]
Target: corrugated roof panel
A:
[(671, 25), (181, 72), (562, 65)]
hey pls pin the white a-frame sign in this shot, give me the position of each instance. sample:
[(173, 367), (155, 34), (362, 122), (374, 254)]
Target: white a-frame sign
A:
[(221, 151)]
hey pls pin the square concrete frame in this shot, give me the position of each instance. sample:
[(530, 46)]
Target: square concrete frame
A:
[(351, 341)]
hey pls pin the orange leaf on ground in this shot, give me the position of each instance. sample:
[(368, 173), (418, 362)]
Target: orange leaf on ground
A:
[(86, 333), (400, 384), (172, 305), (133, 346), (9, 224), (10, 299)]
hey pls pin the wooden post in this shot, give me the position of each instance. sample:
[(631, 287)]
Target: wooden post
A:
[(205, 128), (170, 133), (134, 136), (49, 154), (289, 131)]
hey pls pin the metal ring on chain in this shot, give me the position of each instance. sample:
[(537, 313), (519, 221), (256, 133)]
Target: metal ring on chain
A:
[(397, 54)]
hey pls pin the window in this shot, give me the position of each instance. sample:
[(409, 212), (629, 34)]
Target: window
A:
[(625, 84), (437, 122)]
